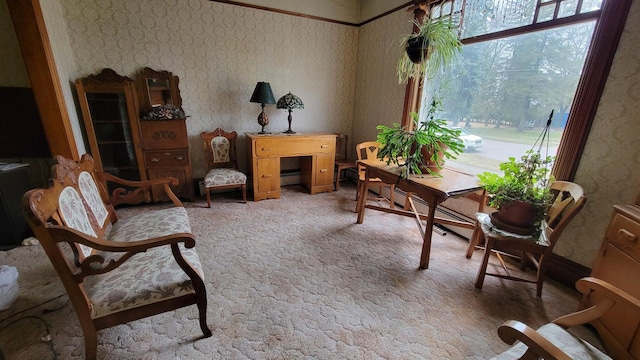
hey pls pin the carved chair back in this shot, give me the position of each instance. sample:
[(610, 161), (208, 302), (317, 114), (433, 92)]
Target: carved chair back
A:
[(220, 148)]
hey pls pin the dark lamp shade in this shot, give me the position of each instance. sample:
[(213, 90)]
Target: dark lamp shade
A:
[(262, 94), (290, 101)]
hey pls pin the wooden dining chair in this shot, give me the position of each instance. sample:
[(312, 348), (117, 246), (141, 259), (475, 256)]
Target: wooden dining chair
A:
[(220, 156), (569, 199), (342, 161), (369, 150)]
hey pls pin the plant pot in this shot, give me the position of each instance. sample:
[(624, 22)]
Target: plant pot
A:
[(517, 217), (417, 49), (429, 165)]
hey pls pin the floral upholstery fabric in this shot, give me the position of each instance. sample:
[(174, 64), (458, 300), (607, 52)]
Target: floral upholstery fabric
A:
[(75, 215), (91, 195), (576, 348), (216, 177), (220, 146), (146, 277)]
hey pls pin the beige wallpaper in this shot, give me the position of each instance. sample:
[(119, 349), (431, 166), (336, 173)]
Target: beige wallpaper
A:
[(379, 96), (220, 52), (610, 166), (65, 65)]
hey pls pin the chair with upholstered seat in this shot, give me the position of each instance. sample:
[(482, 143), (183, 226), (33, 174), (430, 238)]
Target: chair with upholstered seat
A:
[(569, 199), (554, 341), (369, 150), (342, 161), (220, 155), (116, 268)]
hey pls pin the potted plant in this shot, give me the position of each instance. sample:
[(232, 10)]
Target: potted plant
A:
[(521, 194), (436, 41), (423, 149)]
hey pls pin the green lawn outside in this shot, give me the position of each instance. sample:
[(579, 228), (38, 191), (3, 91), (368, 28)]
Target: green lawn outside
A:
[(511, 134)]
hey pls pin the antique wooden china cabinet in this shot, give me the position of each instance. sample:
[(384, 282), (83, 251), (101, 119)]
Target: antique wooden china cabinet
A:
[(126, 144)]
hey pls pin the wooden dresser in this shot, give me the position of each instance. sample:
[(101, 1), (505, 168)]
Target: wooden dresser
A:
[(317, 156), (618, 262)]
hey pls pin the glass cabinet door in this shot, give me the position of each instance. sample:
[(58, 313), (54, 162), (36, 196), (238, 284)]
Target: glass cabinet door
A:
[(111, 121)]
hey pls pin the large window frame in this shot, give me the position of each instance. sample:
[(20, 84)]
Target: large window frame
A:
[(610, 21)]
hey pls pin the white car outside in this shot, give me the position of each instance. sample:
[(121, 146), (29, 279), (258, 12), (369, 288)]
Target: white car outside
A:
[(470, 141)]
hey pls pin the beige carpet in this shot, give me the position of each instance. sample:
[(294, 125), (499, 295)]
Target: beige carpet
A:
[(297, 278)]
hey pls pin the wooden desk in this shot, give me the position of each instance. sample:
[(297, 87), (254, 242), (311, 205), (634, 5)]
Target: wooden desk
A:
[(434, 190), (317, 156)]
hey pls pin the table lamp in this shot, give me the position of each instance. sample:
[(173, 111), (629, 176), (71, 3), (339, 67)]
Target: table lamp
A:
[(262, 94), (290, 102)]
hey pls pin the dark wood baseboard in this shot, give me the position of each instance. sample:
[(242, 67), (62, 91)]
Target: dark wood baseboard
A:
[(565, 271)]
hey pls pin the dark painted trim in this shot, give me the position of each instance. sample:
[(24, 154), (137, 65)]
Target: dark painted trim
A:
[(258, 7)]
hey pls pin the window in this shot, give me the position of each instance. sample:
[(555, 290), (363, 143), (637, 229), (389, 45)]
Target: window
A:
[(520, 60)]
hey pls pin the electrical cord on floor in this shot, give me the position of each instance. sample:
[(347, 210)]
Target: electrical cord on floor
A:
[(45, 311), (47, 337)]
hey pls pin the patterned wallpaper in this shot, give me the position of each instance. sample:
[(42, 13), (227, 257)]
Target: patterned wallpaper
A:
[(609, 169), (220, 52)]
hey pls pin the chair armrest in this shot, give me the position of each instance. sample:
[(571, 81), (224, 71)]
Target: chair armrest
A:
[(99, 264), (587, 284), (142, 189), (538, 346)]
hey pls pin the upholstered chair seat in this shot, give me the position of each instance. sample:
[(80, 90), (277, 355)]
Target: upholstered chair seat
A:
[(217, 177)]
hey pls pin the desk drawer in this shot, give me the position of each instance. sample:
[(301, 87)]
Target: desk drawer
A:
[(166, 158), (623, 233), (294, 146)]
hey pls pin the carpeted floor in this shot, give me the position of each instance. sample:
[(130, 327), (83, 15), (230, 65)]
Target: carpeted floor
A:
[(297, 278)]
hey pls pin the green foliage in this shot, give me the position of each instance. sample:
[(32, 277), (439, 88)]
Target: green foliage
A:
[(443, 47), (404, 148), (526, 180)]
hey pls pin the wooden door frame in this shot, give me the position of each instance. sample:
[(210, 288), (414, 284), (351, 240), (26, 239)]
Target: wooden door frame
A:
[(33, 39)]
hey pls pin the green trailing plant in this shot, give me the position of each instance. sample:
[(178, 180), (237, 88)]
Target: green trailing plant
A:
[(526, 180), (407, 148), (441, 43)]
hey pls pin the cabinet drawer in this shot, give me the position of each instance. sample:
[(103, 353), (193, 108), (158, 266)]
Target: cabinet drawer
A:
[(623, 232), (164, 134), (166, 158), (294, 146)]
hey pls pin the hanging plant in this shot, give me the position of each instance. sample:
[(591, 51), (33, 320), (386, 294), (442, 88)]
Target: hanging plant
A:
[(434, 46)]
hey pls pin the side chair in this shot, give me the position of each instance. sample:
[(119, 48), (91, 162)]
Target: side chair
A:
[(220, 156), (369, 150), (342, 161), (569, 199)]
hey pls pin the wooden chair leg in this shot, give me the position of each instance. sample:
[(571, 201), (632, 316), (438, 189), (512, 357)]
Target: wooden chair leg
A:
[(485, 261), (337, 186), (474, 240), (208, 191), (392, 190), (542, 273), (244, 193), (90, 343)]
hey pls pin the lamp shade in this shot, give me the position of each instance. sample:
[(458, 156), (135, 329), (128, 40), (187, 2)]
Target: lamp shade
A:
[(289, 101), (262, 94)]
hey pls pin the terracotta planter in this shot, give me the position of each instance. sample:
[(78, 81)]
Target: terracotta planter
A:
[(517, 217), (427, 153)]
